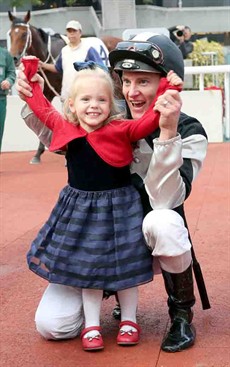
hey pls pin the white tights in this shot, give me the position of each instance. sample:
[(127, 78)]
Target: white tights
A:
[(92, 299)]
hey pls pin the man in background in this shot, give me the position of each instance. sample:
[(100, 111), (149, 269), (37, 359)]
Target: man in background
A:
[(75, 50), (181, 36), (7, 79)]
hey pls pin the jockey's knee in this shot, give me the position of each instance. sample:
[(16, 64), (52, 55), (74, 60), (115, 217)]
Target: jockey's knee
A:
[(55, 328), (165, 233), (159, 223), (59, 314)]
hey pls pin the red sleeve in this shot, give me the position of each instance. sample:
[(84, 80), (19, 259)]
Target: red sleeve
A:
[(40, 105), (149, 122)]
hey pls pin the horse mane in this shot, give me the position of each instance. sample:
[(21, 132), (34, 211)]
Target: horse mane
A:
[(57, 35), (44, 35)]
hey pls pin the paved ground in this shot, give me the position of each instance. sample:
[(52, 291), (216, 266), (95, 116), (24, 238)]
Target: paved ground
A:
[(27, 195)]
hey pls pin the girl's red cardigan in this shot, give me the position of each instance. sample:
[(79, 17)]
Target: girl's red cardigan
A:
[(112, 142)]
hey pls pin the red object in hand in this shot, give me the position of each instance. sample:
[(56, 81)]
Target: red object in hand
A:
[(31, 67)]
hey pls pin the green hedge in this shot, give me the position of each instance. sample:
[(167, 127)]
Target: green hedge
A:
[(199, 59)]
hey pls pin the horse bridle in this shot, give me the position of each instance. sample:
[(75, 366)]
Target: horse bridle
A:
[(28, 42)]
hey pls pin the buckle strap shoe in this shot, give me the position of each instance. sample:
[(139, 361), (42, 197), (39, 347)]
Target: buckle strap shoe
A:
[(92, 343), (128, 337)]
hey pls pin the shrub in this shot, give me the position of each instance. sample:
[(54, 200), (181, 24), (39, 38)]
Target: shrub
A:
[(199, 58)]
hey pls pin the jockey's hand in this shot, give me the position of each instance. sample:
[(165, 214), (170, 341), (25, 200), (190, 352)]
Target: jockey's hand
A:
[(169, 106), (22, 85)]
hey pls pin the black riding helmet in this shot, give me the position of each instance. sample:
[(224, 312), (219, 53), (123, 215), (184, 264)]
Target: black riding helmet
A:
[(147, 52)]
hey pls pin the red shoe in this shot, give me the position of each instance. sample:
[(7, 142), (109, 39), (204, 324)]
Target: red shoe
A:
[(128, 337), (92, 343)]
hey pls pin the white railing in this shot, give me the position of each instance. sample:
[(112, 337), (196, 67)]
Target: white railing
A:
[(215, 69)]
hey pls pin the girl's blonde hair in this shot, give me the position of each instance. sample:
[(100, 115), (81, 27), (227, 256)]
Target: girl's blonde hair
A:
[(115, 112)]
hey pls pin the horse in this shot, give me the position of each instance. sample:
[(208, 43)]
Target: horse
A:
[(26, 39), (111, 42)]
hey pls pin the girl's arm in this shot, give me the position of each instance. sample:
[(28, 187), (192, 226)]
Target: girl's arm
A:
[(38, 103)]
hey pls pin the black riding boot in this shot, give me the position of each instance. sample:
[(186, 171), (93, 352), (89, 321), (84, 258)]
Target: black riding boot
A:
[(117, 309), (181, 298)]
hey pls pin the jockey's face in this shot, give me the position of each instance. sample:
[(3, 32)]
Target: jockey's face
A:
[(74, 36), (139, 89)]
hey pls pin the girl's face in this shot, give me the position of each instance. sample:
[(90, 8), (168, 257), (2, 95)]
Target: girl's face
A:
[(139, 89), (92, 103)]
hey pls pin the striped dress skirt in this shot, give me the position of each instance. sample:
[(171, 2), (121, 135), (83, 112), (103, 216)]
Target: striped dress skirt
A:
[(93, 240)]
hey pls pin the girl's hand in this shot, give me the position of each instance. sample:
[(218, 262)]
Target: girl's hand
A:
[(174, 79), (22, 85)]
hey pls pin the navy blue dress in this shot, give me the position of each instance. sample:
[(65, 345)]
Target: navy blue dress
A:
[(93, 237)]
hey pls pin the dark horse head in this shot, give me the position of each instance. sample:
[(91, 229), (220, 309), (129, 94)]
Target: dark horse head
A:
[(20, 36), (28, 40)]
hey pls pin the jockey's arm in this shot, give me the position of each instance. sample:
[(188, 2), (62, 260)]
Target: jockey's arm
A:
[(32, 121)]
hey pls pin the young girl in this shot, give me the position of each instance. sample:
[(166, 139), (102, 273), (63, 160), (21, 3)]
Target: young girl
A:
[(93, 238)]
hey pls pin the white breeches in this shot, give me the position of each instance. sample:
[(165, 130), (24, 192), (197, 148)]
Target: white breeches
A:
[(60, 314), (167, 237)]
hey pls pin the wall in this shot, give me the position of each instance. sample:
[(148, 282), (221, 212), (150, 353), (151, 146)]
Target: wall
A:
[(202, 19), (17, 136), (55, 19), (206, 106), (190, 3), (209, 19)]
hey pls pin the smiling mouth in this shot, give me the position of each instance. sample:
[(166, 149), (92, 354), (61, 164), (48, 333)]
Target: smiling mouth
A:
[(93, 114), (137, 104)]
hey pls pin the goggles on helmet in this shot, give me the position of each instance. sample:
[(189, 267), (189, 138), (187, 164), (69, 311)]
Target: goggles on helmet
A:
[(134, 51), (152, 51)]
